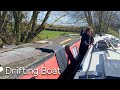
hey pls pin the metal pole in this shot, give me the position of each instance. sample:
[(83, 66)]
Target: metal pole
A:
[(89, 62)]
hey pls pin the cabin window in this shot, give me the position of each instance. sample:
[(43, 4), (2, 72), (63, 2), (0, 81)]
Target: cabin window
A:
[(75, 53)]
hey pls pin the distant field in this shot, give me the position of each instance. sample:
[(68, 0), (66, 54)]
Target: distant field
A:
[(46, 34)]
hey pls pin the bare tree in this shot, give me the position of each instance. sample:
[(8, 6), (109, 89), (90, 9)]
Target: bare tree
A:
[(18, 15), (31, 26), (31, 35), (89, 19), (22, 26)]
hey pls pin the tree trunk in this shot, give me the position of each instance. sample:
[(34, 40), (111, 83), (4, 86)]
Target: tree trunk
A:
[(31, 27), (3, 15), (17, 32), (89, 19), (100, 20), (2, 19), (31, 35), (34, 21)]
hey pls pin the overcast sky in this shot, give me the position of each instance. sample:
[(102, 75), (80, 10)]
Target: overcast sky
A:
[(67, 20)]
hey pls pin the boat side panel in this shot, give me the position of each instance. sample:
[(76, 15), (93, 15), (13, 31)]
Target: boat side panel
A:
[(52, 66)]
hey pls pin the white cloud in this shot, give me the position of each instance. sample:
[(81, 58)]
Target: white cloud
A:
[(67, 20)]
